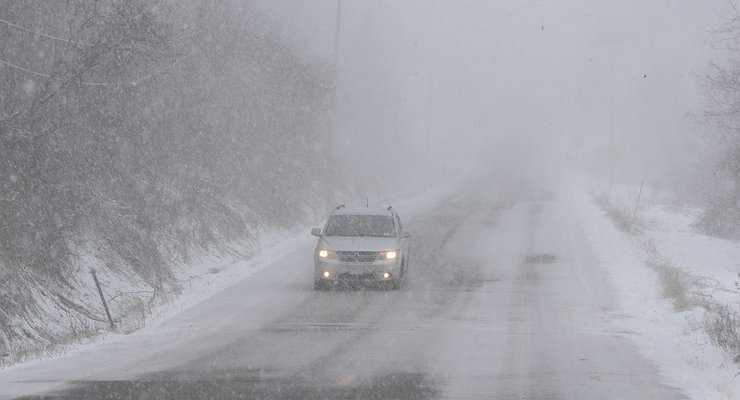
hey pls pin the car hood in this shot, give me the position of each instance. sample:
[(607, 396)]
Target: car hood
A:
[(344, 243)]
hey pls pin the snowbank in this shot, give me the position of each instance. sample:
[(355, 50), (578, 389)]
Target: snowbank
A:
[(669, 279)]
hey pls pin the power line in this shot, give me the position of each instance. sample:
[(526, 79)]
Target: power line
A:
[(18, 67), (133, 82), (20, 28)]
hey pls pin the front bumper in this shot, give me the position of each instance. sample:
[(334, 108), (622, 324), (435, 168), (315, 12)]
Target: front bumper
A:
[(346, 271)]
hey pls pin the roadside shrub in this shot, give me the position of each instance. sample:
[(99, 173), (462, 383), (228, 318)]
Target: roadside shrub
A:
[(721, 219), (619, 214), (721, 324)]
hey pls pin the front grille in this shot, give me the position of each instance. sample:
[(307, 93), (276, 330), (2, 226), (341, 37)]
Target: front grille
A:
[(356, 277), (357, 256)]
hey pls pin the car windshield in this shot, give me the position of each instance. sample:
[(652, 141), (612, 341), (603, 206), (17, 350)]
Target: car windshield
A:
[(361, 225)]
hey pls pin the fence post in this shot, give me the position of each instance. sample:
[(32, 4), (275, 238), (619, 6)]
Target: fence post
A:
[(634, 214), (102, 298)]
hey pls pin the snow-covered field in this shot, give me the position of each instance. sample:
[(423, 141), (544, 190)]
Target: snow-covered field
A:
[(668, 276)]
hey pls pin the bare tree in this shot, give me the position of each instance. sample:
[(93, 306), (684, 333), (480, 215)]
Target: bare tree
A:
[(146, 131), (722, 86)]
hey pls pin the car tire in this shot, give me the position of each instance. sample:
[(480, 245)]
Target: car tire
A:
[(404, 275)]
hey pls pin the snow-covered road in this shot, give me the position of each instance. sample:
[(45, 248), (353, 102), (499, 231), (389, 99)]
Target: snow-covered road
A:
[(504, 302)]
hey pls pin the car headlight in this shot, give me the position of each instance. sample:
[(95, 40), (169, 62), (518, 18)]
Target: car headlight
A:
[(323, 253), (389, 255)]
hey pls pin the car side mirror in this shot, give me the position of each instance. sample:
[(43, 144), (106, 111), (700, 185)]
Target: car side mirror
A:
[(406, 234), (316, 231)]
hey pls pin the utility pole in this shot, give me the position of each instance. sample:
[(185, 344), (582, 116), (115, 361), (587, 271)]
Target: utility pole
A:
[(336, 34), (330, 158), (428, 141), (337, 30), (611, 116)]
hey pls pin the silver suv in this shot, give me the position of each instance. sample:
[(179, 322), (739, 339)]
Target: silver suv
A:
[(361, 244)]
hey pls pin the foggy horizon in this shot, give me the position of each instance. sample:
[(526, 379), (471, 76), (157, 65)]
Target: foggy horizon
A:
[(481, 80)]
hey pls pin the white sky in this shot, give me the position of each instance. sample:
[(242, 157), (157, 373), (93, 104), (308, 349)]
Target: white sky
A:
[(465, 83)]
